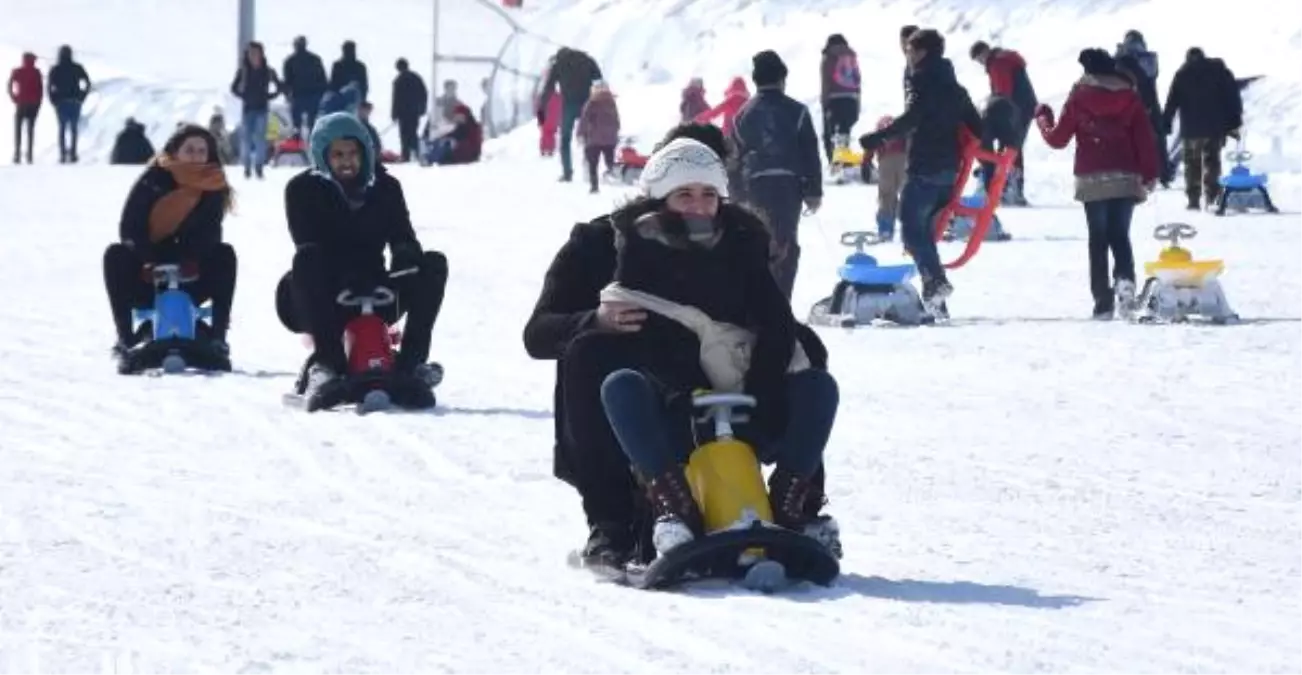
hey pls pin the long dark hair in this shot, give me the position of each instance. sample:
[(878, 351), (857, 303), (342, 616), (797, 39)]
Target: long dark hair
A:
[(190, 130)]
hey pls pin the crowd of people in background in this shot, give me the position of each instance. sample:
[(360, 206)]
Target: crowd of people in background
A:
[(263, 133)]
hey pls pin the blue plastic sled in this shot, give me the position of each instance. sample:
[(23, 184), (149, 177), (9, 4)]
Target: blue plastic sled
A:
[(960, 228), (173, 343), (1241, 189)]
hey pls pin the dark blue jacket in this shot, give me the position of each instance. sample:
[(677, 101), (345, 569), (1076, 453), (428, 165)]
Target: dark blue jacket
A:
[(774, 135)]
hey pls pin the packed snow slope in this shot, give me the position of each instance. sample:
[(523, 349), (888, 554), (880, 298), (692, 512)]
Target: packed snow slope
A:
[(151, 64), (1026, 491)]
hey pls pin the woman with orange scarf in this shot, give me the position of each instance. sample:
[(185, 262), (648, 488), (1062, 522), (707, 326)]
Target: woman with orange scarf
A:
[(174, 215)]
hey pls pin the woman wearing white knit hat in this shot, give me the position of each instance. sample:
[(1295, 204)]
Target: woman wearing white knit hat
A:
[(715, 319), (716, 263)]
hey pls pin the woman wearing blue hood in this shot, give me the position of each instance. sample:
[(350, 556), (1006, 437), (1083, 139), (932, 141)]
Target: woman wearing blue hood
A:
[(343, 211)]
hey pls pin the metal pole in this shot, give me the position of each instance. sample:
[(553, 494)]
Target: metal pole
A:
[(434, 86), (247, 11)]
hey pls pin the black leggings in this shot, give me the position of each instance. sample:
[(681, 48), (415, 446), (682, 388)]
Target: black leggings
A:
[(305, 303), (127, 290), (24, 115)]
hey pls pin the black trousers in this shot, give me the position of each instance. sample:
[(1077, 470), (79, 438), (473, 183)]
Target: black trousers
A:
[(409, 138), (592, 154), (305, 303), (839, 117), (127, 290), (24, 115), (1109, 228)]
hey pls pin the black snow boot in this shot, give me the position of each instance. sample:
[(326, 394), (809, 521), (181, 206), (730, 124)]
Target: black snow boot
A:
[(609, 545), (796, 502)]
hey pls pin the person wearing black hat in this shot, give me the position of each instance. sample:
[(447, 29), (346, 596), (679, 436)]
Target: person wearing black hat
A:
[(777, 149), (938, 112), (349, 70), (409, 103), (1206, 96)]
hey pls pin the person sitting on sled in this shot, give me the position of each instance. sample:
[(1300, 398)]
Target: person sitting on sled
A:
[(572, 325), (937, 110), (343, 212), (694, 325), (173, 215)]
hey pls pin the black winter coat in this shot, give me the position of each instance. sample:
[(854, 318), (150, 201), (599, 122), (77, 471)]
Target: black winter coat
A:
[(774, 136), (68, 82), (354, 239), (198, 233), (574, 71), (1207, 97), (567, 307), (132, 146), (410, 97), (937, 109), (303, 74), (255, 87), (344, 71)]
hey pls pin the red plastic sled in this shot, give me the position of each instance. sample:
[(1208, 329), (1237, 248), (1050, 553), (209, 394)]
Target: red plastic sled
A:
[(984, 216)]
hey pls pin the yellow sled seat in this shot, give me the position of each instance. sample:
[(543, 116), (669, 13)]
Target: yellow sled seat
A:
[(728, 484), (1176, 266)]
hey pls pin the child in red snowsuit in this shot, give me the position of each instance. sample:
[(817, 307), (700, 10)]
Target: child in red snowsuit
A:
[(549, 124), (734, 97)]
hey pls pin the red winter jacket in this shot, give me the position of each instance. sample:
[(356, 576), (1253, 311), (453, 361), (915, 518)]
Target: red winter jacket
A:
[(1116, 151), (26, 86), (734, 97)]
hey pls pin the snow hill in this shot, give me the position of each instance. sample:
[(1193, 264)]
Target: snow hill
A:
[(1025, 491)]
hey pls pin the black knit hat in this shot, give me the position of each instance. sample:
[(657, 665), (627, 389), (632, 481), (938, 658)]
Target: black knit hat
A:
[(768, 68), (1095, 61)]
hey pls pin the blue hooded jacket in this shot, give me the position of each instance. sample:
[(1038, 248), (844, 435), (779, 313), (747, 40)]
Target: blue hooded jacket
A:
[(333, 127)]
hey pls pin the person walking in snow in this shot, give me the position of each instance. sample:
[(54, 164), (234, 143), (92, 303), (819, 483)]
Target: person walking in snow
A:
[(573, 72), (1008, 79), (892, 163), (68, 87), (348, 70), (26, 91), (693, 103), (598, 128), (839, 74), (255, 84), (777, 149), (1116, 167), (1135, 60), (1206, 96), (304, 78), (937, 116), (409, 103)]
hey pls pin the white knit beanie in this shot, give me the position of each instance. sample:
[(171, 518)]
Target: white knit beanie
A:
[(683, 161)]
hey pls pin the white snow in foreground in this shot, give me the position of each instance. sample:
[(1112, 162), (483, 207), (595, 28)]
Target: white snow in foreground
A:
[(1028, 491)]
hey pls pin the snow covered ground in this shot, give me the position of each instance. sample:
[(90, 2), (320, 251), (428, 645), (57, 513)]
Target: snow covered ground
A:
[(1025, 491)]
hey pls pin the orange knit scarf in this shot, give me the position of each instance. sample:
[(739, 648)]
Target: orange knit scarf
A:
[(192, 180)]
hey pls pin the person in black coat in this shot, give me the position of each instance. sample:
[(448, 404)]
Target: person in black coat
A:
[(304, 79), (132, 146), (348, 70), (173, 215), (68, 87), (572, 326), (938, 112), (410, 103), (778, 154), (1207, 97), (255, 84), (343, 212)]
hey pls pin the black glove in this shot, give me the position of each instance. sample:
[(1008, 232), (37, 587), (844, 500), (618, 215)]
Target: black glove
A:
[(542, 117), (406, 257), (870, 142)]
